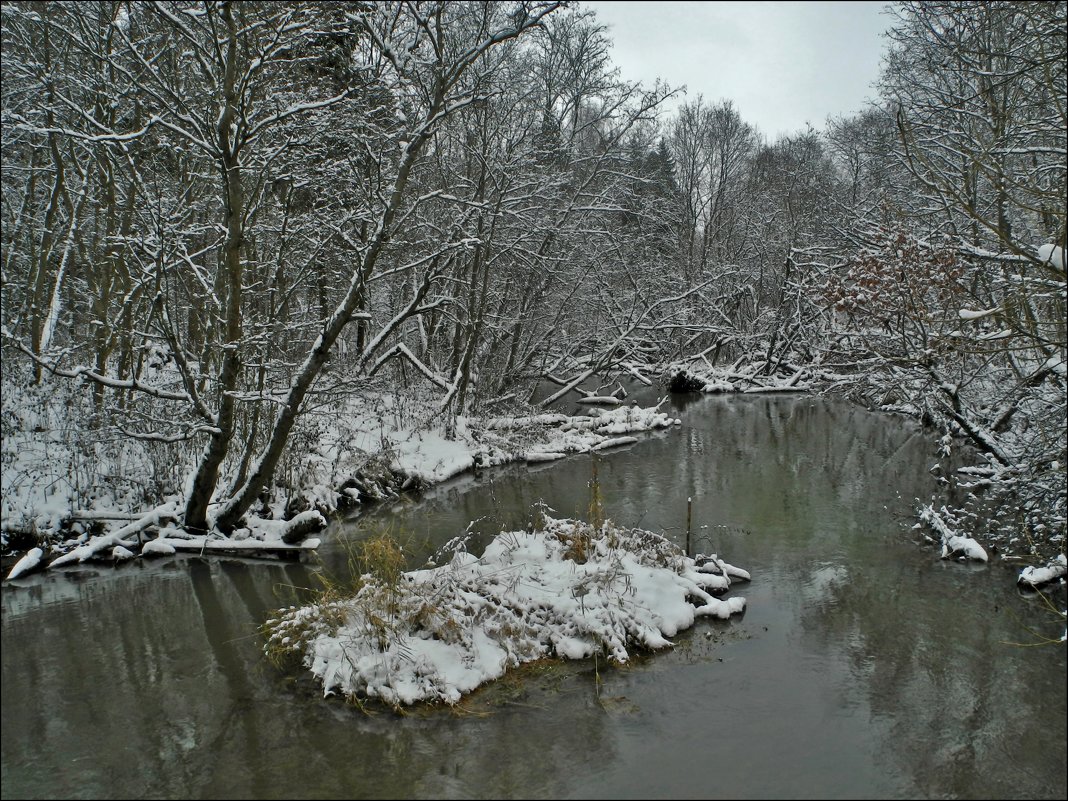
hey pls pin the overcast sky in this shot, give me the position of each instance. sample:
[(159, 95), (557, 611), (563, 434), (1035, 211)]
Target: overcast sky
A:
[(782, 63)]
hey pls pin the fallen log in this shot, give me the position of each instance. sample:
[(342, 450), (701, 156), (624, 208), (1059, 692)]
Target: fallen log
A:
[(247, 548)]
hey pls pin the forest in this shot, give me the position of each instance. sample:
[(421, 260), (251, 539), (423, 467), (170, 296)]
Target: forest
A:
[(233, 231)]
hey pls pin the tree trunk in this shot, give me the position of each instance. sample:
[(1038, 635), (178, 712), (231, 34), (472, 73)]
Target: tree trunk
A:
[(207, 475)]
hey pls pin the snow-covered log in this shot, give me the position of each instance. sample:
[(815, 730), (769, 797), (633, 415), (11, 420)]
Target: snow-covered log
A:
[(954, 545), (27, 563), (96, 545), (1036, 577)]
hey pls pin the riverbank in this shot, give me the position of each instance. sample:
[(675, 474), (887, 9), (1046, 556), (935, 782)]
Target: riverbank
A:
[(369, 449), (69, 489), (69, 478)]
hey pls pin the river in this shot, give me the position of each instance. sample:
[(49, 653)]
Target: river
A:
[(863, 667)]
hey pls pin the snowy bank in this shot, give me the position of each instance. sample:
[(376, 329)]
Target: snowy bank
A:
[(330, 477), (429, 457), (567, 590)]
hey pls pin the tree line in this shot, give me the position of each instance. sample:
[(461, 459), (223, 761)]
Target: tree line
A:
[(218, 216)]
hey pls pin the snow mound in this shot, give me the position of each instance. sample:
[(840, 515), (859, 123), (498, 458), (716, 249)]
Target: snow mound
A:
[(157, 547), (1040, 576), (568, 590)]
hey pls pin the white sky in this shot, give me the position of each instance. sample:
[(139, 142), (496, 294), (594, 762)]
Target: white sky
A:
[(782, 63)]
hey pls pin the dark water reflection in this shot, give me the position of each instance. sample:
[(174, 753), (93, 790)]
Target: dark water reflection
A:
[(864, 666)]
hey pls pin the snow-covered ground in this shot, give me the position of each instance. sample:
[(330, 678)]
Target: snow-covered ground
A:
[(566, 590), (432, 458), (53, 464), (365, 451)]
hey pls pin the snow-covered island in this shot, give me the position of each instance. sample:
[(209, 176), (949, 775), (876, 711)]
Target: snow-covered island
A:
[(563, 589)]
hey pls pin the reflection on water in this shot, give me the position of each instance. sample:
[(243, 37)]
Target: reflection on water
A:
[(863, 667)]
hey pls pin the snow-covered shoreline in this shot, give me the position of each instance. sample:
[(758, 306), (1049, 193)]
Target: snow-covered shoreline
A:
[(409, 457), (372, 448)]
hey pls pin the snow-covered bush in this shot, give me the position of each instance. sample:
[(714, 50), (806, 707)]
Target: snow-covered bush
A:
[(567, 589)]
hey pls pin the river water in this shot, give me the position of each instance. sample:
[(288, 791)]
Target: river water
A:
[(863, 667)]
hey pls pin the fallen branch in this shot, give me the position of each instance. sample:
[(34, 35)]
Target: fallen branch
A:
[(167, 511)]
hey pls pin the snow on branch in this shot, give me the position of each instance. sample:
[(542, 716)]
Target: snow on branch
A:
[(402, 350), (157, 436), (953, 544), (297, 108), (88, 374), (971, 314)]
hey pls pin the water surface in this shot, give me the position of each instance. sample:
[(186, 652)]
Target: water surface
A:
[(864, 667)]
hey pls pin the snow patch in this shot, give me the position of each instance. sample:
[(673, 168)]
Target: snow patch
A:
[(1040, 576), (157, 547), (1052, 255)]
